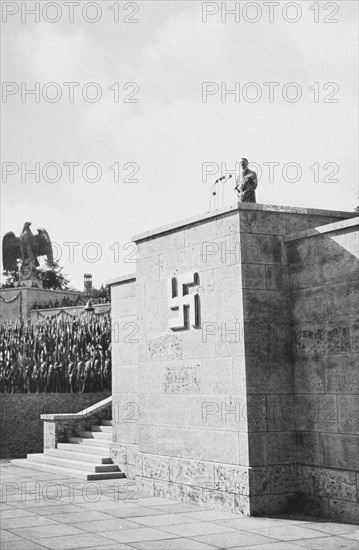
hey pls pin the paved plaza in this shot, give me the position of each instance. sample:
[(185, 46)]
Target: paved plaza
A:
[(43, 510)]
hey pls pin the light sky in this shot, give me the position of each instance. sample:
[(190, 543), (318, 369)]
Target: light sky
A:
[(170, 132)]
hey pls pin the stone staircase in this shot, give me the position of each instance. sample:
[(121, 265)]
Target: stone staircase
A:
[(86, 457)]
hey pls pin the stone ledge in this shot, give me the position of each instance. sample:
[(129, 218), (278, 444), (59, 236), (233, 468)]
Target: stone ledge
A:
[(122, 279), (176, 225), (36, 289), (322, 229), (85, 413), (281, 209), (69, 309)]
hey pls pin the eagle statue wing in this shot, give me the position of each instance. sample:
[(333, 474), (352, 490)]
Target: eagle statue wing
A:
[(43, 245), (10, 251)]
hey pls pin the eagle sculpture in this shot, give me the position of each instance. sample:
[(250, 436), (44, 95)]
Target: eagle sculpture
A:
[(28, 247)]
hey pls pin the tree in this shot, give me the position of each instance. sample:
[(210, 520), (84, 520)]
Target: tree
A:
[(11, 278), (52, 277)]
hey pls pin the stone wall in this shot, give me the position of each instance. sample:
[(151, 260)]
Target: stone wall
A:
[(324, 284), (200, 411), (125, 392), (10, 305), (38, 314), (21, 428), (268, 352), (16, 303), (190, 445)]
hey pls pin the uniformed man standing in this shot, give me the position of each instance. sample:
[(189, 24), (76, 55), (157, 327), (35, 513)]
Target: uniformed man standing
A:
[(246, 183)]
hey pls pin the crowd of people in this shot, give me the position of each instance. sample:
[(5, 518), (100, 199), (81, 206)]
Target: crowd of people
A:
[(97, 297), (56, 355)]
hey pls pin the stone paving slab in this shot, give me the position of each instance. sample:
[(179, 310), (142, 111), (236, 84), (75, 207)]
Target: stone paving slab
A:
[(329, 543), (140, 534), (354, 536), (174, 544), (335, 528), (195, 529), (21, 545), (164, 519), (106, 504), (209, 515), (252, 524), (271, 546), (25, 521), (103, 526), (134, 511), (234, 538), (178, 508), (6, 536), (111, 546), (78, 517), (55, 530), (10, 512), (74, 541), (92, 517), (154, 501), (288, 532)]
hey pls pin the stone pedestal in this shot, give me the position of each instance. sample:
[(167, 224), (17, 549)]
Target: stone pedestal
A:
[(28, 276), (30, 283), (217, 412)]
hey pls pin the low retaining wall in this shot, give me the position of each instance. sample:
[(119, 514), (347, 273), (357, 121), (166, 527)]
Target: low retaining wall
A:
[(16, 303), (70, 311), (21, 428)]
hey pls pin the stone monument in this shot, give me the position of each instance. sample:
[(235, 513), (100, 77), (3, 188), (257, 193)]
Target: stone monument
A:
[(235, 374), (22, 253)]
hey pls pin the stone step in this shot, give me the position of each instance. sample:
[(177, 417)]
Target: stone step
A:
[(89, 441), (82, 448), (82, 457), (97, 435), (73, 464), (68, 472), (86, 457), (105, 429)]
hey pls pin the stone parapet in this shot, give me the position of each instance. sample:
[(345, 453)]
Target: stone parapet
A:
[(17, 303), (21, 427)]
